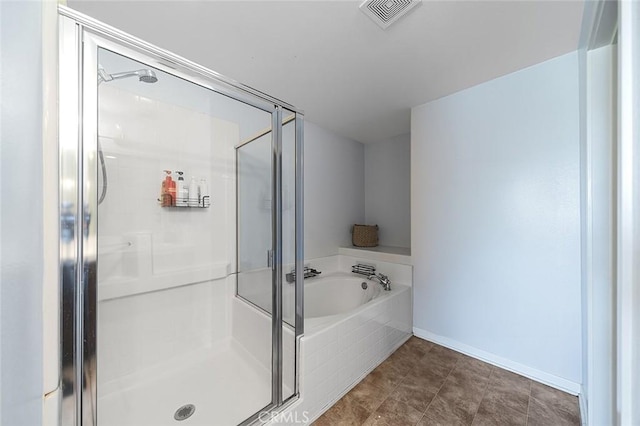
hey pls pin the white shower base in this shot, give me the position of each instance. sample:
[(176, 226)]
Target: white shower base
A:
[(226, 384)]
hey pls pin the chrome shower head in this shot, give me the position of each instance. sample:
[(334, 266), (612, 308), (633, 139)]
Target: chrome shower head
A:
[(144, 75), (147, 76)]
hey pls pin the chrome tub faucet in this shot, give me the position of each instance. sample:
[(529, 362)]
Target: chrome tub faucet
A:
[(384, 280), (308, 273), (370, 272)]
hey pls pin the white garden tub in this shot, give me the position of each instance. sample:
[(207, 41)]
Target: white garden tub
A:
[(348, 332), (337, 294)]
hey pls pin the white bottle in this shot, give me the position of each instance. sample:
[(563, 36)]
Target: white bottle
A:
[(182, 191), (205, 201), (194, 193)]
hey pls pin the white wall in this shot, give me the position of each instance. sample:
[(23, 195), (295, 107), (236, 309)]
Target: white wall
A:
[(387, 189), (584, 243), (598, 241), (628, 215), (333, 190), (186, 253), (495, 195), (21, 218)]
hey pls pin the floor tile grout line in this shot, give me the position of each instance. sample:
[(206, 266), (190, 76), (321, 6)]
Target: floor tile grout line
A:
[(526, 423), (484, 393), (440, 388), (433, 345), (369, 411), (550, 407), (421, 358), (388, 395)]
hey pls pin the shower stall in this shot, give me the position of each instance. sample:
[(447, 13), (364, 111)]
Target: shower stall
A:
[(180, 214)]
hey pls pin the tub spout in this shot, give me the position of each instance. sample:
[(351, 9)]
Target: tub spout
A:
[(384, 280)]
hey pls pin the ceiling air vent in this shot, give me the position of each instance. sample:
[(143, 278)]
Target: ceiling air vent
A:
[(386, 12)]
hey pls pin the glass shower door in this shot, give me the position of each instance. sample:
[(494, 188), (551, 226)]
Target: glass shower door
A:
[(167, 347), (167, 215)]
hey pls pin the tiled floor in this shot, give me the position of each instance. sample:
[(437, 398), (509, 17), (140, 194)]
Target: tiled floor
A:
[(426, 384)]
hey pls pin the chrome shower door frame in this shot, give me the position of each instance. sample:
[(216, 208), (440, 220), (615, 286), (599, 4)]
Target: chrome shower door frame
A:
[(80, 38)]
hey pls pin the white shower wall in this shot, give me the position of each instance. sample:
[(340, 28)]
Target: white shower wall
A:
[(162, 286), (142, 137)]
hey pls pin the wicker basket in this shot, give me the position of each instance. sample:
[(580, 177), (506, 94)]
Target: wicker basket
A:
[(365, 235)]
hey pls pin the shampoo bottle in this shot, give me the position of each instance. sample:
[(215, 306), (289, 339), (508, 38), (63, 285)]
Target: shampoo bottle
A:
[(172, 191), (167, 196), (194, 195), (182, 196), (163, 191)]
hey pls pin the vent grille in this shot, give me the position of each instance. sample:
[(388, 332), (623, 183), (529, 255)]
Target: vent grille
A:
[(386, 12)]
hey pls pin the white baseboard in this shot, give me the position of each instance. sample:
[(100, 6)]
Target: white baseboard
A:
[(537, 375), (584, 421)]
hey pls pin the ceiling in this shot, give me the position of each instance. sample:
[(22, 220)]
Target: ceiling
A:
[(329, 59)]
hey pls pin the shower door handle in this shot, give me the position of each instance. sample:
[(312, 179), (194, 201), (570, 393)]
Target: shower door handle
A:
[(270, 259)]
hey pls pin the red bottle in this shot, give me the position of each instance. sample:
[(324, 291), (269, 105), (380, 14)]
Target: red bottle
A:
[(172, 191), (167, 194)]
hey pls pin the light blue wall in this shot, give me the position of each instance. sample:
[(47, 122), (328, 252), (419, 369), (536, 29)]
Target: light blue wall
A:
[(333, 190), (21, 213), (495, 175), (387, 189)]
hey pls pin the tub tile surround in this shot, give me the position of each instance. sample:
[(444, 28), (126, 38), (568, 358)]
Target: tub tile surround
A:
[(337, 352), (423, 384)]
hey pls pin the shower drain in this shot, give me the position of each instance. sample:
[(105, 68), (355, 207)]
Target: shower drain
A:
[(184, 412)]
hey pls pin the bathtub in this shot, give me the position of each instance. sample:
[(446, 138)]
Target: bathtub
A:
[(348, 332), (337, 294)]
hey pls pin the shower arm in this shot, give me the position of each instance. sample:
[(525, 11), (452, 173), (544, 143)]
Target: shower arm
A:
[(119, 75), (145, 75), (105, 76)]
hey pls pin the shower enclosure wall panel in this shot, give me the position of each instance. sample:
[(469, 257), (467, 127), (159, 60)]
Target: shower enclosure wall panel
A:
[(140, 138), (250, 328), (176, 324)]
